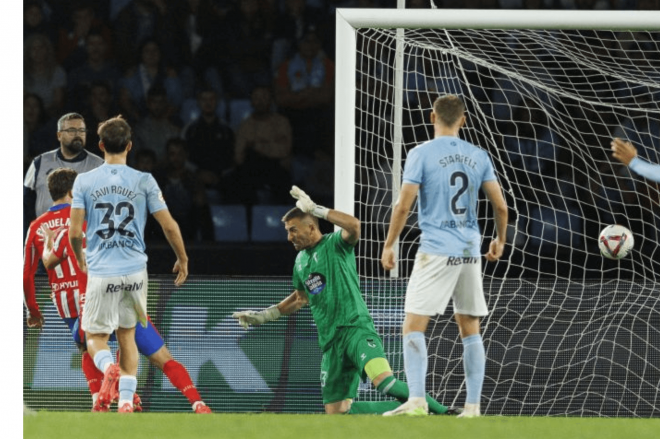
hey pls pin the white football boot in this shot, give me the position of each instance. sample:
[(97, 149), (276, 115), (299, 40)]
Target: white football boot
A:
[(412, 407), (470, 411)]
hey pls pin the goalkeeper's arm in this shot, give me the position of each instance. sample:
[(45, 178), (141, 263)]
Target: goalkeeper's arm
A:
[(349, 224), (291, 304)]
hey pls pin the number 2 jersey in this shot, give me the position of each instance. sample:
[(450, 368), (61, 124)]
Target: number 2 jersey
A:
[(328, 275), (116, 200), (450, 172), (67, 282)]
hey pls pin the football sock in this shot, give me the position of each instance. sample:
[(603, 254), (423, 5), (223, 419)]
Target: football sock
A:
[(127, 387), (399, 390), (393, 387), (179, 377), (474, 364), (373, 407), (93, 376), (415, 362), (103, 360)]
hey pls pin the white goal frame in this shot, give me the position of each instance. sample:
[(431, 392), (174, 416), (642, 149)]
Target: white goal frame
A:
[(348, 20)]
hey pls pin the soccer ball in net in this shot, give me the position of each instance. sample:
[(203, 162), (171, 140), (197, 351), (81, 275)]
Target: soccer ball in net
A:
[(615, 241)]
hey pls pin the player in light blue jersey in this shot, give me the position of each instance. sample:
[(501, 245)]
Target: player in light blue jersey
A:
[(115, 201), (447, 172), (627, 154)]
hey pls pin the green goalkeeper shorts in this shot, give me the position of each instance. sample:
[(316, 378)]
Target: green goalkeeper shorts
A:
[(342, 365)]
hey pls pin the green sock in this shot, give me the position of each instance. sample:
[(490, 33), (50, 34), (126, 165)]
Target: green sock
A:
[(398, 389), (373, 407)]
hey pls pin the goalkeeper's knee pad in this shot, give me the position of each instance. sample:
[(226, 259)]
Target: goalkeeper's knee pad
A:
[(375, 367)]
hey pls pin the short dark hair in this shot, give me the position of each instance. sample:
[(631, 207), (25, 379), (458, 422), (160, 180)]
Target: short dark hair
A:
[(297, 213), (448, 109), (68, 116), (60, 182), (115, 134)]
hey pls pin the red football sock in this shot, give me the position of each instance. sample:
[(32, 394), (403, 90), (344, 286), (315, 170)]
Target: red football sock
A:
[(92, 374), (179, 377)]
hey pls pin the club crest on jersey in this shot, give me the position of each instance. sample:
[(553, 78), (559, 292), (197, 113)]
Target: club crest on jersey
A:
[(315, 283)]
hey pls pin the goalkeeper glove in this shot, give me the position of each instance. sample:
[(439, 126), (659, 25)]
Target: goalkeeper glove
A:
[(306, 204), (247, 318)]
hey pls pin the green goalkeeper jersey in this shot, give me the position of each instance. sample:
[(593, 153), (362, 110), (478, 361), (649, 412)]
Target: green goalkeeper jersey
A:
[(327, 273)]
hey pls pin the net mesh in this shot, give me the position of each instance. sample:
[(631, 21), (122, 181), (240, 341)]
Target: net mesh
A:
[(570, 332)]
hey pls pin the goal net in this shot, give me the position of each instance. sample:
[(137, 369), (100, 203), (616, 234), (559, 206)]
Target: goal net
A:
[(570, 332)]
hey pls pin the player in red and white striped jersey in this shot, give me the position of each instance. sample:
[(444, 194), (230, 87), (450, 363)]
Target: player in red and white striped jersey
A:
[(65, 280)]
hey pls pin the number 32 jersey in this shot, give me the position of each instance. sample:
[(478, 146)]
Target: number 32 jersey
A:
[(449, 172), (116, 200)]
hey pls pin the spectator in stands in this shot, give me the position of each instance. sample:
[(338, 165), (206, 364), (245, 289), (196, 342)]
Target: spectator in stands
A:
[(144, 20), (202, 27), (153, 131), (263, 151), (98, 66), (245, 50), (72, 37), (304, 89), (183, 190), (35, 22), (210, 143), (290, 28), (98, 106), (42, 75), (139, 79), (37, 132)]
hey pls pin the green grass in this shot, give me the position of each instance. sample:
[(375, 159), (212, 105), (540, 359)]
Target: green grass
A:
[(70, 425)]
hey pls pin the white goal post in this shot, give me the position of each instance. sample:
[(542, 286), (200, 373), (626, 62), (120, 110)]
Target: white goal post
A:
[(570, 332)]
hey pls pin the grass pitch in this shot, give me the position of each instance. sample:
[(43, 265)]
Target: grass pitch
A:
[(69, 425)]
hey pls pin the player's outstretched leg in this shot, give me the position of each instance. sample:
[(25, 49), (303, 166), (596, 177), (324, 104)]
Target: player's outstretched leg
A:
[(151, 345), (399, 390), (379, 371), (180, 378)]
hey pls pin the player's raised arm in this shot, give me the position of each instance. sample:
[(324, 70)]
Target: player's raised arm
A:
[(349, 224), (173, 235), (397, 222)]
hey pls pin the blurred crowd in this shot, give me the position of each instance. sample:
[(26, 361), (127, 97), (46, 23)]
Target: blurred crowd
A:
[(231, 101)]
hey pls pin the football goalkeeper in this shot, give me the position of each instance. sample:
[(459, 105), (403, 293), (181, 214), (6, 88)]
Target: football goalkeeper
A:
[(325, 277)]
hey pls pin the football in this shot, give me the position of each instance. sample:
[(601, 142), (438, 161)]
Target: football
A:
[(615, 241)]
